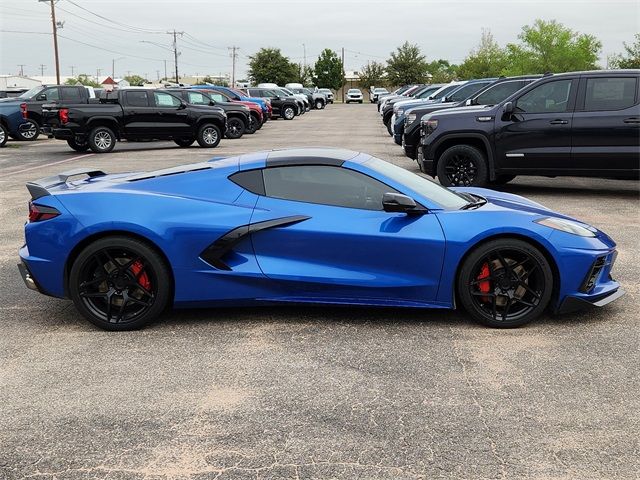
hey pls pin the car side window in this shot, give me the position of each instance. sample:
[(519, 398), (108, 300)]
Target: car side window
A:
[(196, 98), (499, 92), (610, 93), (71, 94), (51, 94), (550, 97), (326, 185), (217, 97), (137, 98), (165, 100)]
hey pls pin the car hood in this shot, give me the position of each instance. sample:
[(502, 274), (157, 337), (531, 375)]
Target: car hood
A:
[(470, 109), (12, 100)]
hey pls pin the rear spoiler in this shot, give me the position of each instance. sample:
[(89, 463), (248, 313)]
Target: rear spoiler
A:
[(40, 188)]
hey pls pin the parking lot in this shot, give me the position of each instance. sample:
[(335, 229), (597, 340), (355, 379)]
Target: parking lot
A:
[(316, 392)]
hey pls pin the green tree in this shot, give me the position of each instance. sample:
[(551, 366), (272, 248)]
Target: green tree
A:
[(549, 46), (372, 75), (486, 60), (406, 65), (208, 79), (304, 75), (328, 71), (268, 65), (136, 80), (631, 57), (442, 71), (82, 79)]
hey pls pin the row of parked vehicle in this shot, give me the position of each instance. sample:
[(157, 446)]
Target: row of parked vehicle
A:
[(488, 131), (201, 113)]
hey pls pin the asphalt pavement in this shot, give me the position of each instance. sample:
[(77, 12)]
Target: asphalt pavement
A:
[(316, 393)]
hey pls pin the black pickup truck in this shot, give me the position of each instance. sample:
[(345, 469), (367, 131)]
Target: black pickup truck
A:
[(134, 114), (577, 124)]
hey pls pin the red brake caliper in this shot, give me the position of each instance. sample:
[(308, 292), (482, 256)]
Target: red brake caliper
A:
[(143, 279), (484, 287)]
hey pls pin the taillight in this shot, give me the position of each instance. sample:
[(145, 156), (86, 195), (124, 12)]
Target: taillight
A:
[(63, 113), (38, 213), (23, 110)]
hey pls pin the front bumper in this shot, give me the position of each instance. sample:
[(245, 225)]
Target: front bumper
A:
[(354, 99), (576, 303)]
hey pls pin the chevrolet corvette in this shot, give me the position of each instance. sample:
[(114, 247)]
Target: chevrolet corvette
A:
[(304, 226)]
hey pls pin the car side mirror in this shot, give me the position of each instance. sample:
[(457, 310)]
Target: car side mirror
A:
[(396, 202), (182, 106), (212, 102), (277, 97), (469, 102), (507, 110), (42, 96)]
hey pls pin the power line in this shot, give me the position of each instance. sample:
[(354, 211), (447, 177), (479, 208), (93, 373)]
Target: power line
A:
[(108, 50), (23, 31), (203, 43), (132, 27)]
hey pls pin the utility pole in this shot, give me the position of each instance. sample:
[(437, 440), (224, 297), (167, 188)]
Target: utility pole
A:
[(304, 49), (158, 74), (98, 70), (73, 67), (342, 74), (175, 50), (42, 67), (234, 55), (22, 65), (165, 70), (55, 38)]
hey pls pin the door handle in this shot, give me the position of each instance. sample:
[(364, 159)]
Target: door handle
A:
[(632, 120), (559, 122)]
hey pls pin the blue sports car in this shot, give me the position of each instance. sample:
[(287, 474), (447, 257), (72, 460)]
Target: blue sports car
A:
[(308, 225)]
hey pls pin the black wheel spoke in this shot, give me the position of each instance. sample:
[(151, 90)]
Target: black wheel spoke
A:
[(478, 281), (523, 302), (529, 289), (125, 300), (482, 294), (95, 281), (94, 294), (525, 276), (507, 307), (139, 302), (108, 311)]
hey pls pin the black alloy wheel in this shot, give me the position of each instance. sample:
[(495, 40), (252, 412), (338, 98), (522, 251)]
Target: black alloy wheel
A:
[(184, 142), (4, 134), (78, 146), (288, 112), (101, 140), (208, 136), (253, 125), (505, 283), (462, 166), (235, 128), (31, 132), (119, 283)]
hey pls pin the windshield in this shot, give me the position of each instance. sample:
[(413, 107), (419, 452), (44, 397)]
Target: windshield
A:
[(31, 93), (380, 90), (418, 184), (466, 91), (443, 91), (353, 90), (428, 91)]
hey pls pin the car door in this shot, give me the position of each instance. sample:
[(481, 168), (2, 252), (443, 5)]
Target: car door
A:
[(48, 95), (605, 138), (537, 135), (341, 245), (173, 117), (140, 117)]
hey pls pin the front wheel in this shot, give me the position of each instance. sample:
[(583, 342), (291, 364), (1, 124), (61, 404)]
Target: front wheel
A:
[(120, 283), (288, 112), (78, 146), (30, 132), (253, 124), (208, 136), (505, 283), (184, 142), (102, 140), (235, 128), (462, 166), (4, 135), (319, 104)]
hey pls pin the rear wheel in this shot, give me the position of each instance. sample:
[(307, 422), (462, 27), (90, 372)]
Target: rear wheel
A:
[(505, 283), (462, 166), (101, 140), (30, 132), (235, 128), (120, 283), (288, 112), (4, 135), (254, 121), (208, 136), (78, 146), (184, 142)]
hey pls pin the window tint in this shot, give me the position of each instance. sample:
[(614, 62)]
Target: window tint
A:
[(72, 94), (550, 97), (217, 97), (499, 92), (428, 91), (165, 100), (197, 98), (444, 91), (325, 185), (52, 94), (137, 98), (613, 93), (466, 91)]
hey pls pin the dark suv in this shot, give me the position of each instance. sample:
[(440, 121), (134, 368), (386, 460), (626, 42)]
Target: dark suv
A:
[(283, 105), (579, 124)]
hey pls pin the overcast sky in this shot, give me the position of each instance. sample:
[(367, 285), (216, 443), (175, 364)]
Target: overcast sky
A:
[(368, 30)]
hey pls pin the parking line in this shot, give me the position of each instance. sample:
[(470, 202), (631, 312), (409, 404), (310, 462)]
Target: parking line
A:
[(39, 167)]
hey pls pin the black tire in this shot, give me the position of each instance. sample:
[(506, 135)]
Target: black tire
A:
[(288, 112), (359, 101), (78, 146), (235, 128), (4, 135), (502, 179), (124, 273), (101, 140), (208, 136), (319, 104), (501, 297), (462, 166), (31, 134), (254, 124), (389, 131), (184, 142)]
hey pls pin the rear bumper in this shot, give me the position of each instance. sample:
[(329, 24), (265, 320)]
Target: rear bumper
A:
[(575, 303), (63, 134), (27, 278)]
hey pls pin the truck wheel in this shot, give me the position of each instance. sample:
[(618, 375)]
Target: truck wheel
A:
[(253, 125), (389, 128), (319, 104), (184, 142), (102, 140), (30, 132), (462, 166), (208, 136), (4, 134), (235, 128), (78, 146), (288, 112)]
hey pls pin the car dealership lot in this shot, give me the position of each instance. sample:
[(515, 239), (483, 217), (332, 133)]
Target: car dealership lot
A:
[(316, 392)]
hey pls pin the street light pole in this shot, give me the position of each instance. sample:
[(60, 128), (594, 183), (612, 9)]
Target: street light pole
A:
[(55, 38)]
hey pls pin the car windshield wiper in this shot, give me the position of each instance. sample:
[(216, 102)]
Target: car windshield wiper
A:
[(474, 204)]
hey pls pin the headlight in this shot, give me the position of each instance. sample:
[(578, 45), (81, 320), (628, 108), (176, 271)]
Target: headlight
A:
[(430, 125), (409, 119), (567, 226), (399, 112)]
